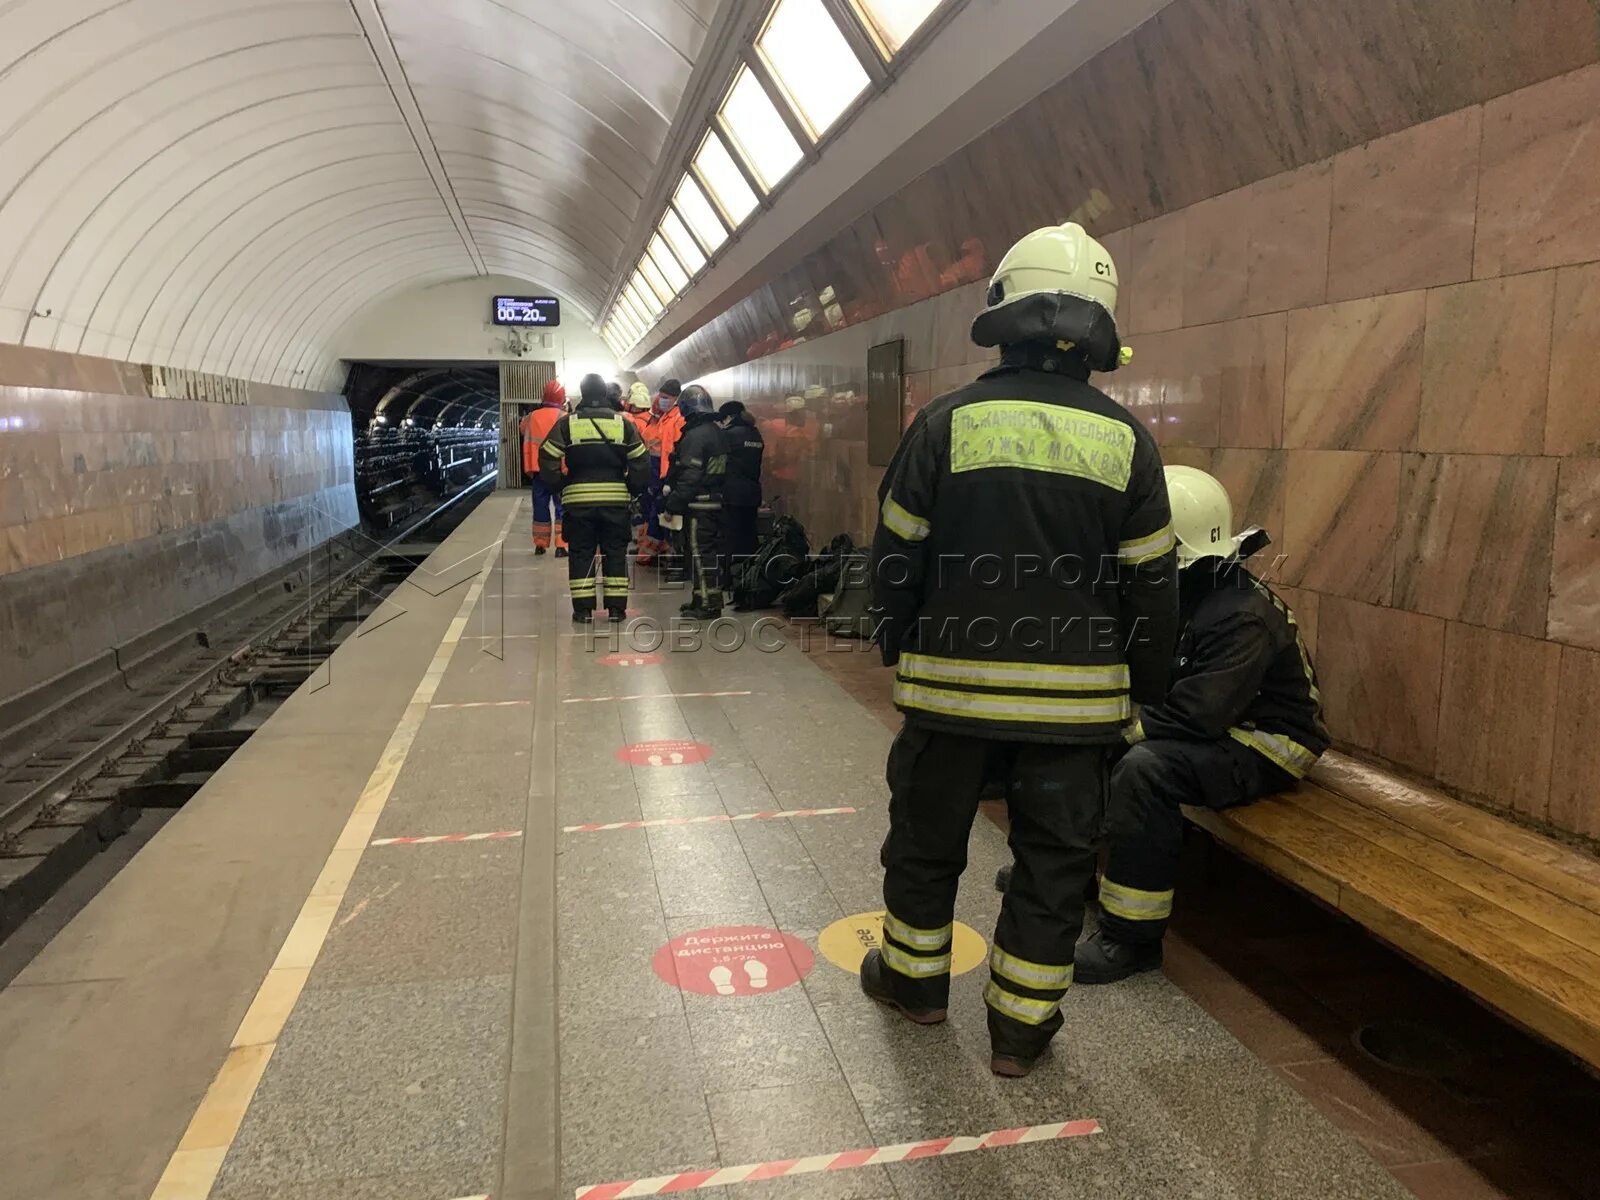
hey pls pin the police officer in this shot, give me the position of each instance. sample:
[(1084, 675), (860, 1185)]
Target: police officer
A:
[(1243, 720), (741, 494), (1023, 575), (693, 491), (606, 466)]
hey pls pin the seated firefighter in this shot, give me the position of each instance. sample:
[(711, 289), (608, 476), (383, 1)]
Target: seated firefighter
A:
[(1242, 720)]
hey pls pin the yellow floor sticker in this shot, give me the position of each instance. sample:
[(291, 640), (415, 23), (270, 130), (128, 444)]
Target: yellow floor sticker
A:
[(845, 943)]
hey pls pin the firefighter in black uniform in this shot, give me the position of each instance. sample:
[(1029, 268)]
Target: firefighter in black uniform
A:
[(607, 464), (693, 490), (741, 493), (1243, 720), (1023, 575)]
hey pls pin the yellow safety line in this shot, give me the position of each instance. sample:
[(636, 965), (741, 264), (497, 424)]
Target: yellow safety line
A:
[(192, 1170)]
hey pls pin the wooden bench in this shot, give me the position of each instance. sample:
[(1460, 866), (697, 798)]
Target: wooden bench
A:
[(1509, 915)]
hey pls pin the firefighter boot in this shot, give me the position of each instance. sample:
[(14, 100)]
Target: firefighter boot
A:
[(1098, 959), (877, 983)]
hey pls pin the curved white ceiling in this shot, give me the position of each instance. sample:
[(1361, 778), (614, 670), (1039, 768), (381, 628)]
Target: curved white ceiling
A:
[(222, 184)]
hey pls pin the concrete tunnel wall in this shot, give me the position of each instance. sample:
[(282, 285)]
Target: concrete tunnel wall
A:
[(124, 506), (1362, 287)]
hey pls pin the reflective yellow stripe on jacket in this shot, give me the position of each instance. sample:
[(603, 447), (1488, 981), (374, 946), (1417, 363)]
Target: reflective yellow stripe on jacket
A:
[(595, 493), (1285, 751), (1147, 549), (1053, 710), (975, 672), (902, 523)]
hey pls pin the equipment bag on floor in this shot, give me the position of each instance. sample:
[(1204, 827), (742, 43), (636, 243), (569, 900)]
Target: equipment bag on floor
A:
[(809, 594), (846, 614), (778, 560)]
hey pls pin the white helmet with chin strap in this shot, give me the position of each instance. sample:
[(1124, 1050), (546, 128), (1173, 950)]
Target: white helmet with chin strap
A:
[(1057, 285)]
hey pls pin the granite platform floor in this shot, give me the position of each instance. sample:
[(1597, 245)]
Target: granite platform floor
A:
[(505, 1016)]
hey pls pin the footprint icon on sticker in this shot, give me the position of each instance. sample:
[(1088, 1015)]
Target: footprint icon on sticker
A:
[(757, 971), (722, 980)]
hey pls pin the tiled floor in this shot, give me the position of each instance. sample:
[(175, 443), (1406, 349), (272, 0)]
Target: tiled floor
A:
[(1295, 983)]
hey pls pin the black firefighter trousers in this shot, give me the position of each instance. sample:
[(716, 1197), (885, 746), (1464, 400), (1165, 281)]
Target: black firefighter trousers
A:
[(603, 529), (1144, 822), (703, 532), (1056, 797)]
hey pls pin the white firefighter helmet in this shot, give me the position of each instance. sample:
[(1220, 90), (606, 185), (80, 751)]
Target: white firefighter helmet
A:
[(1202, 515), (1058, 259)]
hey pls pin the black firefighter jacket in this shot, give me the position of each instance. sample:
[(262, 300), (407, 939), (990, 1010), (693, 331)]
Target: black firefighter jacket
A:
[(746, 446), (699, 466), (1023, 565), (606, 459), (1242, 672)]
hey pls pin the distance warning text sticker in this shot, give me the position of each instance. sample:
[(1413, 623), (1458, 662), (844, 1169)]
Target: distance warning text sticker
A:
[(664, 754), (735, 960)]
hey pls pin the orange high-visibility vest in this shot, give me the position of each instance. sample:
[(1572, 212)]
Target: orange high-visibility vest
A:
[(671, 425)]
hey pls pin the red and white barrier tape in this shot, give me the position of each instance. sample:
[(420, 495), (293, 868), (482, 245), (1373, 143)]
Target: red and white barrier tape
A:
[(689, 1181), (720, 817), (447, 837), (657, 696)]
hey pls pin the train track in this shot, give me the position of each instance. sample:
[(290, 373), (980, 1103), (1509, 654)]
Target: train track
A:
[(154, 744)]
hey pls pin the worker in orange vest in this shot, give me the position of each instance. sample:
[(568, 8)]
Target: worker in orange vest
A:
[(669, 428), (536, 426), (641, 413)]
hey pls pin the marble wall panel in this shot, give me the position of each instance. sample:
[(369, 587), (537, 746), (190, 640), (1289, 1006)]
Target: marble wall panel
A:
[(1404, 209), (1288, 222), (1575, 780), (1486, 366), (1380, 671), (1339, 523), (1497, 712), (1354, 374), (1154, 275), (1575, 574), (1254, 368), (1538, 205), (1572, 419), (1475, 539)]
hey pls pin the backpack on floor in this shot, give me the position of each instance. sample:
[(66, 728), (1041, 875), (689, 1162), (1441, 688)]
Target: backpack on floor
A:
[(847, 613), (776, 564)]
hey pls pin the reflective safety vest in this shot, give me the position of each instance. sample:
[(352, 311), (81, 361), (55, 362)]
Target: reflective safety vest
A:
[(1024, 563), (1242, 672), (536, 426), (671, 426), (605, 458)]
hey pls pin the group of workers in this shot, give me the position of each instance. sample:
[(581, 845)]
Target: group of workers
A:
[(671, 474), (1120, 663)]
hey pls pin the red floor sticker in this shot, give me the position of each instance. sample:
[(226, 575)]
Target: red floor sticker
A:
[(664, 754), (629, 660), (735, 960)]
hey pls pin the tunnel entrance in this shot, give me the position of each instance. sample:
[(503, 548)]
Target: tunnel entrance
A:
[(424, 432)]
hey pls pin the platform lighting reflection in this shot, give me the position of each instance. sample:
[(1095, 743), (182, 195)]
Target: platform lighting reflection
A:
[(812, 62), (892, 22)]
